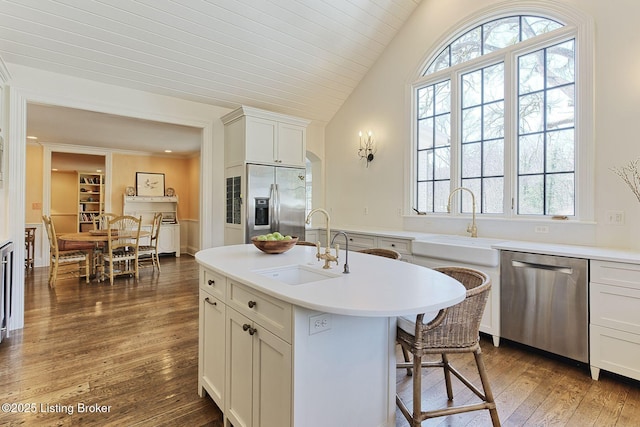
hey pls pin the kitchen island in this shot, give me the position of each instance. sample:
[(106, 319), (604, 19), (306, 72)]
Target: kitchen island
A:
[(284, 342)]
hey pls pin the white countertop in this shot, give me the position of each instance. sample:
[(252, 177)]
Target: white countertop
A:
[(575, 251), (376, 286)]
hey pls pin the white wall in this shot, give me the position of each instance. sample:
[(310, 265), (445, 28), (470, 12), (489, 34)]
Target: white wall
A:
[(381, 103)]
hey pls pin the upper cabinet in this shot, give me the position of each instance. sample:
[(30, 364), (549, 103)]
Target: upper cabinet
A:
[(258, 136)]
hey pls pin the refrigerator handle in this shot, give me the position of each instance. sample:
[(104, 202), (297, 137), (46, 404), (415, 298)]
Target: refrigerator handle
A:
[(272, 210), (277, 212)]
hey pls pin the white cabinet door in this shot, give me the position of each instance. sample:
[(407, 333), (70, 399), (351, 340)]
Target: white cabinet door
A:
[(258, 392), (291, 148), (271, 380), (169, 239), (261, 136), (239, 378), (212, 324)]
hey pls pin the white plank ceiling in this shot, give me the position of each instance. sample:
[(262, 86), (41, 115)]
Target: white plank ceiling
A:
[(299, 57)]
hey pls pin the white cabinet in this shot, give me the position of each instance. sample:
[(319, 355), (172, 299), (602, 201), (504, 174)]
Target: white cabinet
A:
[(614, 330), (212, 323), (358, 241), (245, 353), (146, 207), (258, 136), (258, 374), (211, 356)]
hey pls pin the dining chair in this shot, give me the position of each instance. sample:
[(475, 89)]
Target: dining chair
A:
[(387, 253), (123, 239), (72, 262), (151, 250), (454, 329), (101, 221), (29, 246)]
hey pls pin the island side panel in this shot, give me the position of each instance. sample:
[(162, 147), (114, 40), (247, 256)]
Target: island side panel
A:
[(344, 370)]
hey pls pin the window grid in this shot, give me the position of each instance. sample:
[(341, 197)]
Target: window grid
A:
[(488, 38), (434, 148), (483, 139), (528, 185)]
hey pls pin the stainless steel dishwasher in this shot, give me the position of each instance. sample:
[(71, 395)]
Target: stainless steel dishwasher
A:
[(544, 303)]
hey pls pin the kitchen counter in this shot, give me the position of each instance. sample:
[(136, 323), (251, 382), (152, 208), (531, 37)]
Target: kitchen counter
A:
[(376, 286)]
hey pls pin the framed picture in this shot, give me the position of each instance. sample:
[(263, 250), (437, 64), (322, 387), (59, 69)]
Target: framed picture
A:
[(149, 184)]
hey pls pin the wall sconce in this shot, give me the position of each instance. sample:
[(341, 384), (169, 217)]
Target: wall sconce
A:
[(366, 149)]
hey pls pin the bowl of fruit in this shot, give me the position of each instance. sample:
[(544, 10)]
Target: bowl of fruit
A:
[(274, 243)]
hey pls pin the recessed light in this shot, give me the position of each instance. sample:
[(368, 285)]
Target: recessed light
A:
[(168, 151), (54, 169), (32, 137), (98, 170)]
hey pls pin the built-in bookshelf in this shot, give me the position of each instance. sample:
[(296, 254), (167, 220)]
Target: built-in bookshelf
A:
[(90, 198)]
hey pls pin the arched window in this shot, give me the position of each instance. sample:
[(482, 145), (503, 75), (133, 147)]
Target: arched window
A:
[(496, 112)]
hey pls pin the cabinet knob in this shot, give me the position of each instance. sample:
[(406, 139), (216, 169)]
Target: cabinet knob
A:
[(252, 304), (211, 282), (247, 327), (210, 302), (393, 245)]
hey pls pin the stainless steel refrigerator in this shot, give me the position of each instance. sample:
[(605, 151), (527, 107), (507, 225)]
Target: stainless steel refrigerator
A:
[(275, 198)]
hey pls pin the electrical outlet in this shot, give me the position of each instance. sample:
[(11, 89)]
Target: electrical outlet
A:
[(319, 323), (541, 229), (615, 217), (366, 210), (399, 211)]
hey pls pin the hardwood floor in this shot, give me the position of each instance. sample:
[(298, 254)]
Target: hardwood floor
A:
[(133, 348)]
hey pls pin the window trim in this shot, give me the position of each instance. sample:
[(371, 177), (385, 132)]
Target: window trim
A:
[(578, 26)]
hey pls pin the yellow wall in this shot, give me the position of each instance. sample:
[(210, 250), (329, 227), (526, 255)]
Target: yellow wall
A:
[(194, 185), (181, 174), (33, 183), (178, 174), (64, 201)]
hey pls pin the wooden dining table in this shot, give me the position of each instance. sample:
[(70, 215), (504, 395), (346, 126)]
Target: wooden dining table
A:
[(99, 238)]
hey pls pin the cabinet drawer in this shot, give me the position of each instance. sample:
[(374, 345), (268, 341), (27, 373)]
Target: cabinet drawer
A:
[(615, 307), (271, 313), (399, 245), (213, 283), (616, 273), (359, 240), (615, 351)]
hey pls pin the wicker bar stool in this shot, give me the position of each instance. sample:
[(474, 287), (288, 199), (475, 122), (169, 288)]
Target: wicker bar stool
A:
[(453, 330), (387, 253)]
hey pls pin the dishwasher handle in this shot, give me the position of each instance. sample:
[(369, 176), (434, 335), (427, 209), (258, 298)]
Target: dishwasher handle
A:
[(555, 268)]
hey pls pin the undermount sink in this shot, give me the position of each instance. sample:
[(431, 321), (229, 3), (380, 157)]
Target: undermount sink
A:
[(296, 274), (471, 250)]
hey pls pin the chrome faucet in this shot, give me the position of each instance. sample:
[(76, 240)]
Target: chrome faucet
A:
[(471, 228), (326, 256), (346, 256)]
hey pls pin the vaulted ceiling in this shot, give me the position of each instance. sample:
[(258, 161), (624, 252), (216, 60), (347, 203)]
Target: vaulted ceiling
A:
[(299, 57)]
